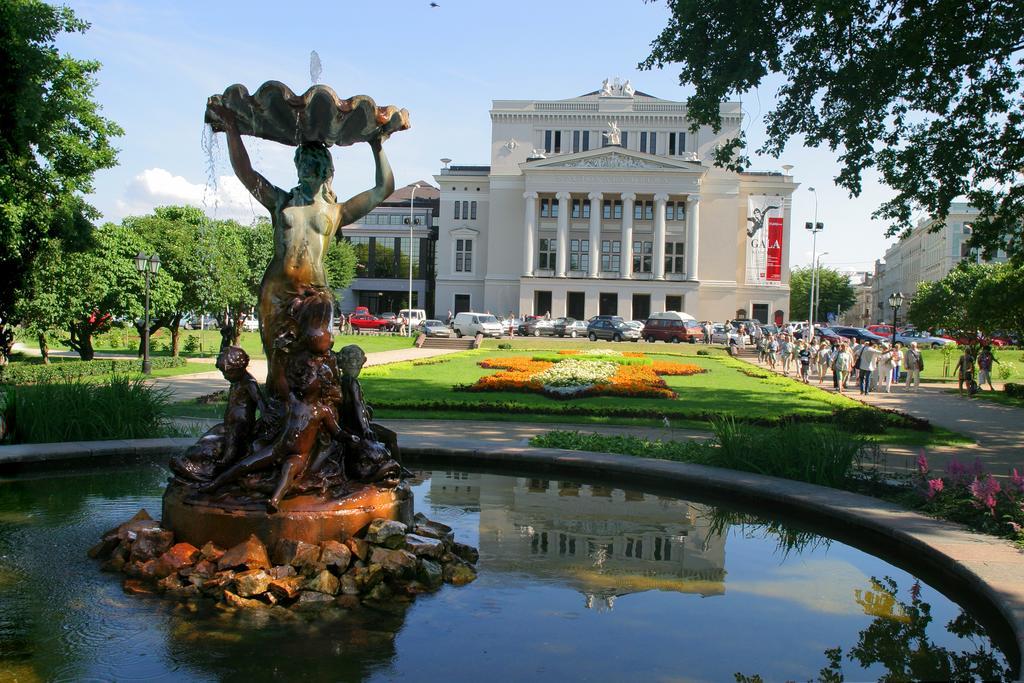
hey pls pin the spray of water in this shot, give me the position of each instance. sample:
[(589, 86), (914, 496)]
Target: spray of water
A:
[(211, 148), (316, 68)]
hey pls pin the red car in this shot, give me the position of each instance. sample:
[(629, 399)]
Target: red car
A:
[(883, 330), (364, 321)]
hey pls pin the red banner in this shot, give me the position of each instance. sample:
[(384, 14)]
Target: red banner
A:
[(774, 260)]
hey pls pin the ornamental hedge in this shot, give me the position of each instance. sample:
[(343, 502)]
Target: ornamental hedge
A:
[(1014, 390), (73, 370)]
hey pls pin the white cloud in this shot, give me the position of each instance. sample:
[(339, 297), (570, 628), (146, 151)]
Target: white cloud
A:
[(226, 198)]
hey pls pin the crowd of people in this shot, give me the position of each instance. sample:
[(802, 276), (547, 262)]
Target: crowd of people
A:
[(869, 365)]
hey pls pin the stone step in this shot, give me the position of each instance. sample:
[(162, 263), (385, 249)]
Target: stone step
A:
[(450, 343)]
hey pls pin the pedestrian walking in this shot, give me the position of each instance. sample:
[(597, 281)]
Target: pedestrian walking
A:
[(786, 350), (773, 351), (841, 367), (985, 360), (965, 372), (914, 363), (866, 362), (804, 356)]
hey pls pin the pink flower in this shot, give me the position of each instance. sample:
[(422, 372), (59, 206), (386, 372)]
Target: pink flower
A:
[(1018, 481), (984, 492), (922, 463), (935, 487), (978, 469), (956, 471)]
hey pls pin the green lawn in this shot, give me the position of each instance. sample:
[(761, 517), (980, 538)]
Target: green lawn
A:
[(125, 343), (723, 390), (935, 369)]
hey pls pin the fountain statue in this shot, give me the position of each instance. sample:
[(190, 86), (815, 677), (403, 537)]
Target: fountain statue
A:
[(297, 498), (310, 462)]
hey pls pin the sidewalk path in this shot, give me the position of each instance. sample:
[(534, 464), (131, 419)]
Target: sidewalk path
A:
[(997, 429), (190, 387)]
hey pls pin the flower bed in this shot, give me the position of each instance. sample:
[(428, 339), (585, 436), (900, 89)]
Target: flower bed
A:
[(630, 375)]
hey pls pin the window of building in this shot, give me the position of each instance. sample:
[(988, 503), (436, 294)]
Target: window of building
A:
[(465, 210), (361, 247), (396, 219), (606, 209), (575, 141), (461, 303), (670, 211), (586, 140), (579, 255), (680, 211), (370, 219), (673, 303), (586, 209), (642, 256), (404, 254), (625, 138), (618, 208), (464, 256), (675, 258), (547, 141), (638, 211), (611, 256), (649, 142), (575, 208), (548, 249), (554, 208), (676, 144), (385, 257), (458, 210), (472, 211), (553, 141), (545, 208), (643, 141), (648, 211)]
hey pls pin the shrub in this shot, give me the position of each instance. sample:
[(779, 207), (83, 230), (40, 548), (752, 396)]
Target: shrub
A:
[(1014, 390), (703, 352), (504, 346), (191, 344), (73, 410), (71, 370)]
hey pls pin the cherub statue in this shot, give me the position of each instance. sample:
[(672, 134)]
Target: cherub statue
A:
[(370, 460)]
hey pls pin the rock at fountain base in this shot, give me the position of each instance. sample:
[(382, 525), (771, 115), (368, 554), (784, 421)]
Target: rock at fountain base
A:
[(198, 519)]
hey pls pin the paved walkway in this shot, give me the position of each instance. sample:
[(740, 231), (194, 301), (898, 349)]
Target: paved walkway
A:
[(190, 387), (997, 429)]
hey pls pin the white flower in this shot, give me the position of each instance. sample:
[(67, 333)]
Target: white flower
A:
[(573, 373)]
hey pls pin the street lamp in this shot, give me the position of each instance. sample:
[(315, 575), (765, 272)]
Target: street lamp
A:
[(895, 301), (816, 283), (815, 227), (147, 265), (412, 221)]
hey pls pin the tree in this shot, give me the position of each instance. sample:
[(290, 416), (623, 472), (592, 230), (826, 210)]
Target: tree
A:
[(52, 141), (84, 292), (948, 304), (926, 92), (836, 291), (340, 264), (998, 300)]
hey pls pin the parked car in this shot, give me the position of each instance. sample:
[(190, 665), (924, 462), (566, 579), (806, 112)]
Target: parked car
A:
[(829, 335), (884, 330), (672, 327), (417, 315), (858, 334), (364, 321), (613, 318), (362, 310), (922, 339), (251, 324), (636, 324), (435, 328), (570, 327), (721, 334), (540, 326), (469, 323), (521, 327), (611, 330)]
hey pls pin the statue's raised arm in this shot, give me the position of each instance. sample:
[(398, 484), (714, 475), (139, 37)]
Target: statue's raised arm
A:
[(259, 187), (364, 202)]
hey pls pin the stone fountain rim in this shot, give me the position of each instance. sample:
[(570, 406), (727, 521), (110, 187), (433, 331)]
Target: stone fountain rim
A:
[(986, 567)]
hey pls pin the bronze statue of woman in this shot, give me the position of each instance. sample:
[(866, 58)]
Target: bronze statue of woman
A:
[(305, 220)]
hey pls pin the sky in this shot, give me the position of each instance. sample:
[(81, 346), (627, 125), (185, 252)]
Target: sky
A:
[(161, 60)]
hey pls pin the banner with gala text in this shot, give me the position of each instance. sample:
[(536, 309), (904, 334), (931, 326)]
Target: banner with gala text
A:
[(764, 239)]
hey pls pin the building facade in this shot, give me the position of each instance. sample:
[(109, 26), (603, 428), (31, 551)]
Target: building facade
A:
[(862, 311), (607, 203), (382, 245), (926, 254)]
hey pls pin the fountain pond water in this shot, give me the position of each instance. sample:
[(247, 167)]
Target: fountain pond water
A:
[(576, 580)]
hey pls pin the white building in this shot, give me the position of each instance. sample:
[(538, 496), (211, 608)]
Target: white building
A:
[(607, 204), (927, 254)]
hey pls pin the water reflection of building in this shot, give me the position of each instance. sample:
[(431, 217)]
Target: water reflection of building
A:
[(603, 541)]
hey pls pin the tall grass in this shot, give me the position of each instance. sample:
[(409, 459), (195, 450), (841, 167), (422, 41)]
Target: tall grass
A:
[(73, 410), (816, 454)]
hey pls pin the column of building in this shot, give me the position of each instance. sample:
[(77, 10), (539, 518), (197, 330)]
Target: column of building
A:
[(595, 234), (626, 267), (659, 235), (562, 256), (692, 235), (530, 230)]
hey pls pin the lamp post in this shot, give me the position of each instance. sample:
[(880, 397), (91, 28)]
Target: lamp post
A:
[(895, 301), (147, 265), (815, 227), (412, 221), (817, 283)]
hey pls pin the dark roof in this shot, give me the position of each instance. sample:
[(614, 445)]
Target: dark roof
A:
[(425, 191), (469, 168)]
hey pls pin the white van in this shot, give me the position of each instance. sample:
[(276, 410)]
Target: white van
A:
[(418, 315), (471, 324)]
